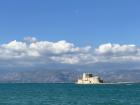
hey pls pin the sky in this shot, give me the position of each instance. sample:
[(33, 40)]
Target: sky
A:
[(83, 22), (69, 32)]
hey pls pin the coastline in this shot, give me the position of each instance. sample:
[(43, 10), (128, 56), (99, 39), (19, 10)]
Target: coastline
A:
[(70, 83)]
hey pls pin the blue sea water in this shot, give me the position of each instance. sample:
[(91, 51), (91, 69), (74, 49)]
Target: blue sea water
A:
[(69, 94)]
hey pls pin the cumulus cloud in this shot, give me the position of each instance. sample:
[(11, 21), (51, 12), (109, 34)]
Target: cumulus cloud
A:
[(31, 51), (117, 49)]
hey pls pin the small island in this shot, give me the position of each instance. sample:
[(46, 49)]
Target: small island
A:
[(89, 78)]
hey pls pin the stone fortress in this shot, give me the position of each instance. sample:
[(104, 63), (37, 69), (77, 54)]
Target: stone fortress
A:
[(88, 78)]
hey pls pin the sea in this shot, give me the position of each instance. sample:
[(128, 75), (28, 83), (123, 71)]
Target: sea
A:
[(69, 94)]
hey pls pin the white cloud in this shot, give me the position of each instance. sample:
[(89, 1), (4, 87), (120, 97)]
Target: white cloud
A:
[(15, 45), (54, 47), (117, 49), (63, 52), (68, 59)]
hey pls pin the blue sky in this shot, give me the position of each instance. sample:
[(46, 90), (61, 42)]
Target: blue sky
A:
[(83, 22), (61, 30)]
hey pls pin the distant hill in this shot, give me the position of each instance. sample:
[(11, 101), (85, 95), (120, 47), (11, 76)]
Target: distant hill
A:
[(65, 76)]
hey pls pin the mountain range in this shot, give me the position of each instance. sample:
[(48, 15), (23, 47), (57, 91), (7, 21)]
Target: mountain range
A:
[(65, 76)]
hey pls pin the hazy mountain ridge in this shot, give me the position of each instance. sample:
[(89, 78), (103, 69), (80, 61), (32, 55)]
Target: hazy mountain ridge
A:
[(66, 76)]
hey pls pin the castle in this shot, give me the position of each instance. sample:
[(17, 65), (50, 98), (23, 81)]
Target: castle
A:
[(88, 78)]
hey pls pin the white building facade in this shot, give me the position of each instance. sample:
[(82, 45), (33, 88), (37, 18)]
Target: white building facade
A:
[(88, 78)]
